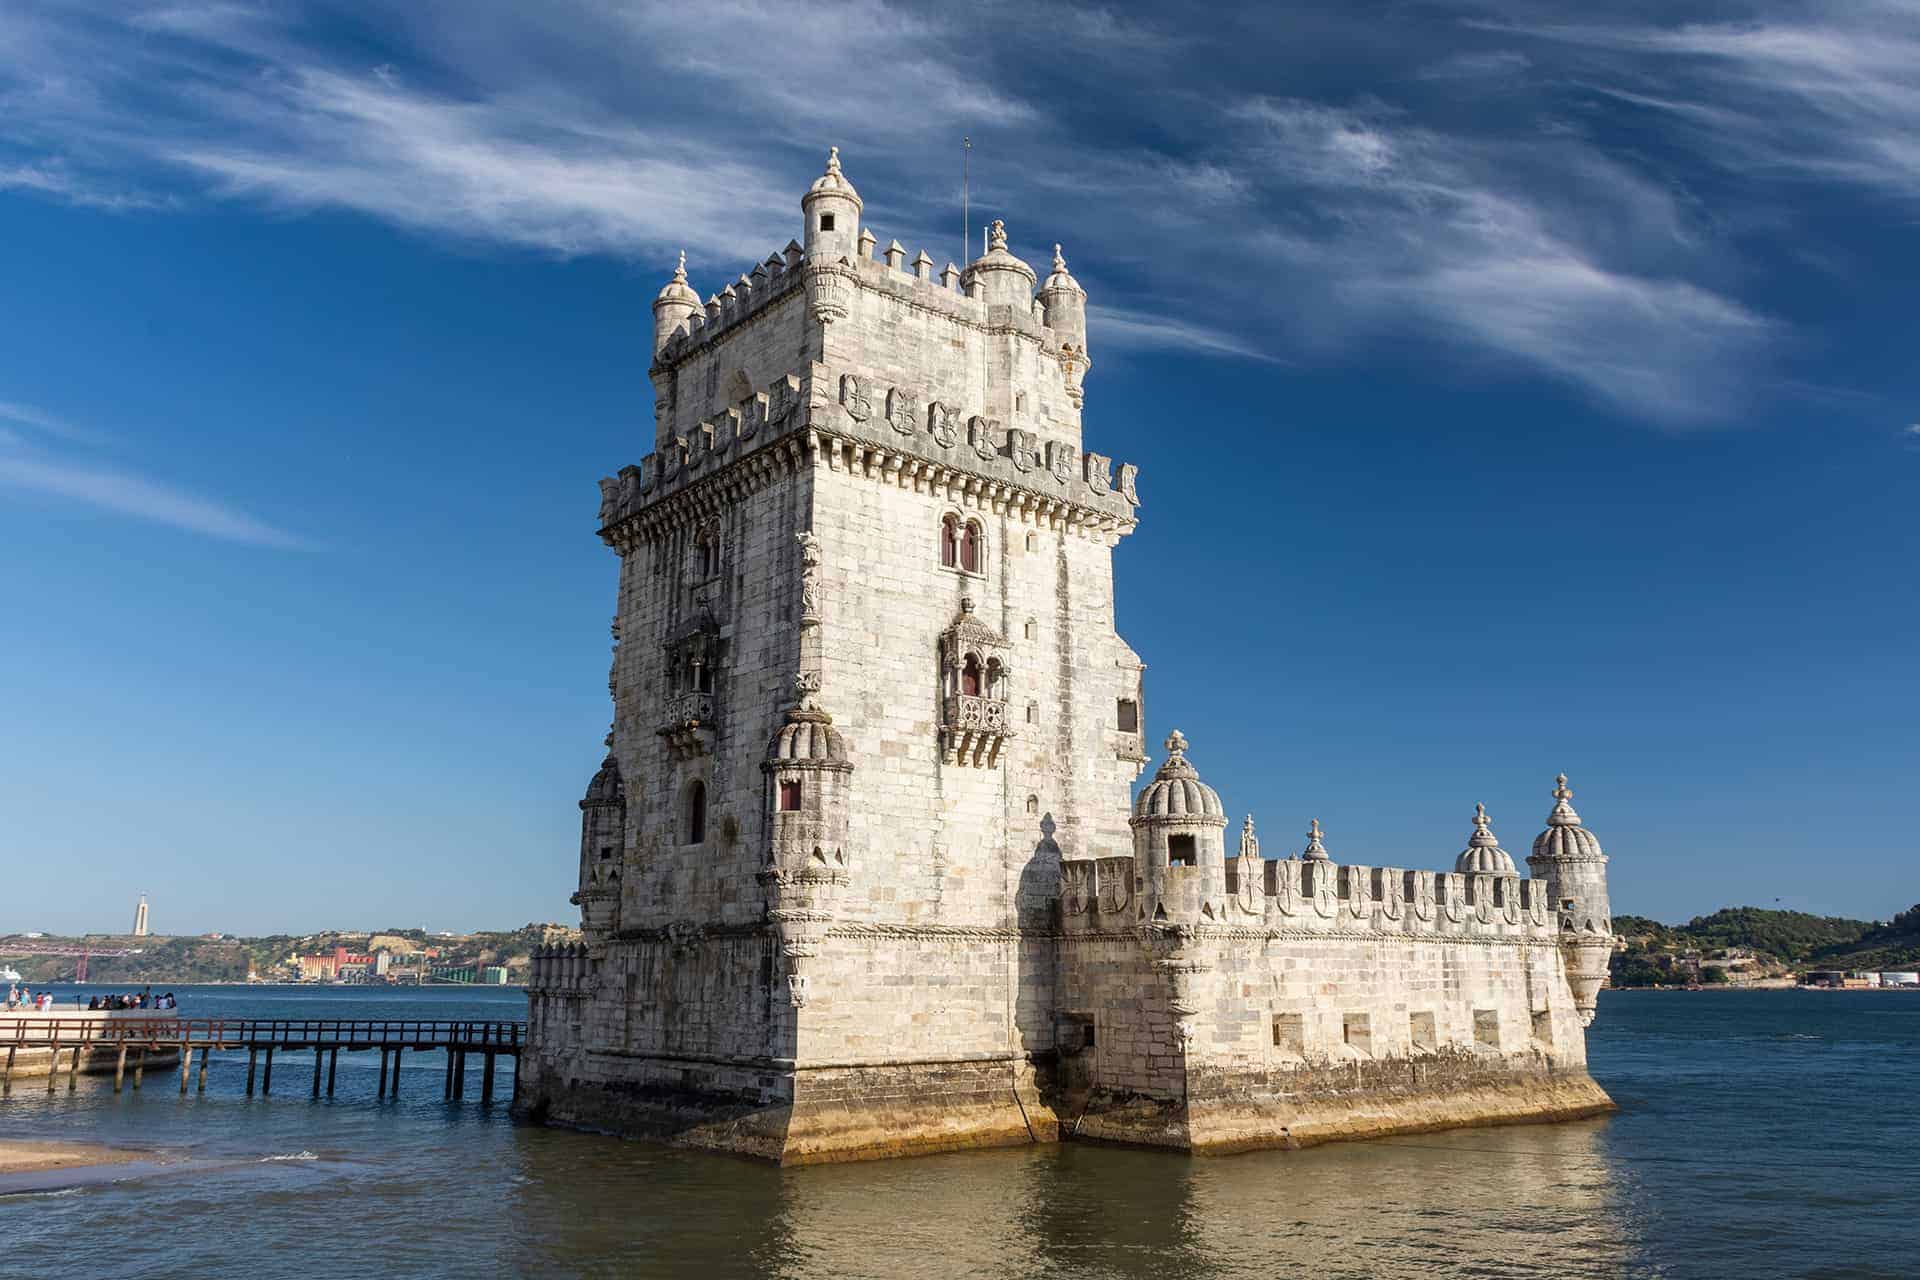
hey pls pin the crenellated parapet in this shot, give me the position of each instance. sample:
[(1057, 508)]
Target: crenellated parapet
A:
[(837, 419), (568, 970)]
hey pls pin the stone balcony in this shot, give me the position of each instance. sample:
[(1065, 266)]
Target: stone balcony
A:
[(974, 728), (688, 723)]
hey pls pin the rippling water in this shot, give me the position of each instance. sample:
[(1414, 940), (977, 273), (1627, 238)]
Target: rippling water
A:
[(1761, 1134)]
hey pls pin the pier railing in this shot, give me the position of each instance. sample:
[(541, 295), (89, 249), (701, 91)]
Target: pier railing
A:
[(92, 1035)]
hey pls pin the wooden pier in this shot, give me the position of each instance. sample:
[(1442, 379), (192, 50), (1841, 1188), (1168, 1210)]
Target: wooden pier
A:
[(91, 1042)]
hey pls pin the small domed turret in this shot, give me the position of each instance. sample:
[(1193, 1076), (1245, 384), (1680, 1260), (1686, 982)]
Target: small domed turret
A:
[(996, 277), (607, 788), (1483, 852), (1567, 856), (1177, 824), (1065, 303), (675, 305), (1315, 850), (1176, 791), (832, 209), (807, 738)]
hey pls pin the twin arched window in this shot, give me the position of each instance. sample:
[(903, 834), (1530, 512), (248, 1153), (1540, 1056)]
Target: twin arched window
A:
[(963, 546)]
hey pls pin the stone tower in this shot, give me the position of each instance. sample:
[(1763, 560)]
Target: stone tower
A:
[(859, 875), (1568, 857), (867, 692)]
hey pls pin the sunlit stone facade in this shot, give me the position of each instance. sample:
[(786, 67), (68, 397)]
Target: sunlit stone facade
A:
[(860, 874)]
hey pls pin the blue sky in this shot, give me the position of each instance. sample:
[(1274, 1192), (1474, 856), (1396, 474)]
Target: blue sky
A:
[(1518, 387)]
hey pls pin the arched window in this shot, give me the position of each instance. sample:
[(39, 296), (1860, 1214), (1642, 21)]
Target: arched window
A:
[(970, 676), (789, 794), (996, 676), (972, 547), (709, 558), (950, 541), (697, 813)]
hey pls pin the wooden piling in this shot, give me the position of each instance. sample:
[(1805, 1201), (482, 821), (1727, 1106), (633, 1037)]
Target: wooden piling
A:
[(6, 1089), (460, 1076), (333, 1062), (447, 1088), (120, 1068), (266, 1075), (186, 1065), (205, 1053), (253, 1060), (393, 1090), (53, 1072), (381, 1091), (73, 1070), (318, 1054), (486, 1079), (139, 1066)]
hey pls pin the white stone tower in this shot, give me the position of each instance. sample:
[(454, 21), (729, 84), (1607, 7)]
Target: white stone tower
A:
[(1568, 857), (140, 918)]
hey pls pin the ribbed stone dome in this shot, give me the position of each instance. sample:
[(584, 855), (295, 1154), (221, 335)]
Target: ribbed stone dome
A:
[(833, 182), (808, 738), (1176, 792), (1060, 279), (677, 289), (606, 788), (1564, 836), (1483, 851)]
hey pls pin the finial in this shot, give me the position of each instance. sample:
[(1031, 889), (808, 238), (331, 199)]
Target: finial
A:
[(1176, 743), (1563, 814), (833, 161), (996, 236), (1483, 837), (1316, 851), (1059, 263), (1249, 842), (680, 272)]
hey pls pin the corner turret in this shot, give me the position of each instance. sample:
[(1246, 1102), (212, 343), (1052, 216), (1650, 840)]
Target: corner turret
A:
[(808, 777), (832, 210), (1568, 857), (603, 832), (675, 306), (1178, 846), (996, 277)]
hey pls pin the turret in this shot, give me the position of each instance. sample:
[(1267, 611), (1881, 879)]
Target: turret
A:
[(603, 833), (832, 210), (1065, 303), (1567, 856), (808, 778), (676, 305), (1178, 846), (1483, 852), (998, 278)]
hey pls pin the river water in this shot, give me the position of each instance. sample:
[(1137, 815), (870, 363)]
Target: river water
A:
[(1761, 1134)]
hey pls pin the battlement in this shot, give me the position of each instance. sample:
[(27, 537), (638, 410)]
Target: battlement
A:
[(1106, 895), (889, 435)]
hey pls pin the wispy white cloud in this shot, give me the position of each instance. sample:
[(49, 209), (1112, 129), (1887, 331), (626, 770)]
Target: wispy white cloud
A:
[(1300, 229), (26, 464)]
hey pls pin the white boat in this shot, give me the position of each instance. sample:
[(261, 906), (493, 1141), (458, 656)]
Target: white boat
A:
[(9, 974)]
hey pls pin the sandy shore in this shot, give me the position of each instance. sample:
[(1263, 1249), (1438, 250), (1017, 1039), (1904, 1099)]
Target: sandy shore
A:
[(37, 1157)]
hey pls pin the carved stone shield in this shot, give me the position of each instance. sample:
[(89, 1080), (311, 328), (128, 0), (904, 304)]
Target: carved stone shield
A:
[(1060, 460), (1129, 477), (1076, 886), (1099, 472), (1114, 881), (853, 398), (1423, 894), (1020, 449), (940, 424), (984, 435), (900, 410)]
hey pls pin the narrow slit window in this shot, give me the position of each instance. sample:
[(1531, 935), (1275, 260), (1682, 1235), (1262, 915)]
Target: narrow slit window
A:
[(697, 813), (1127, 716)]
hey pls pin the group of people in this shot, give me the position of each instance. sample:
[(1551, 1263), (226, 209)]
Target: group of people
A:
[(19, 997), (144, 1000)]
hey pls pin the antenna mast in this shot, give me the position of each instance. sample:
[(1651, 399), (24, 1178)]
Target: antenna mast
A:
[(966, 212)]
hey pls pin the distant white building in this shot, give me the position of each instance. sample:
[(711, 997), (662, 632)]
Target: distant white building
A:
[(140, 929)]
